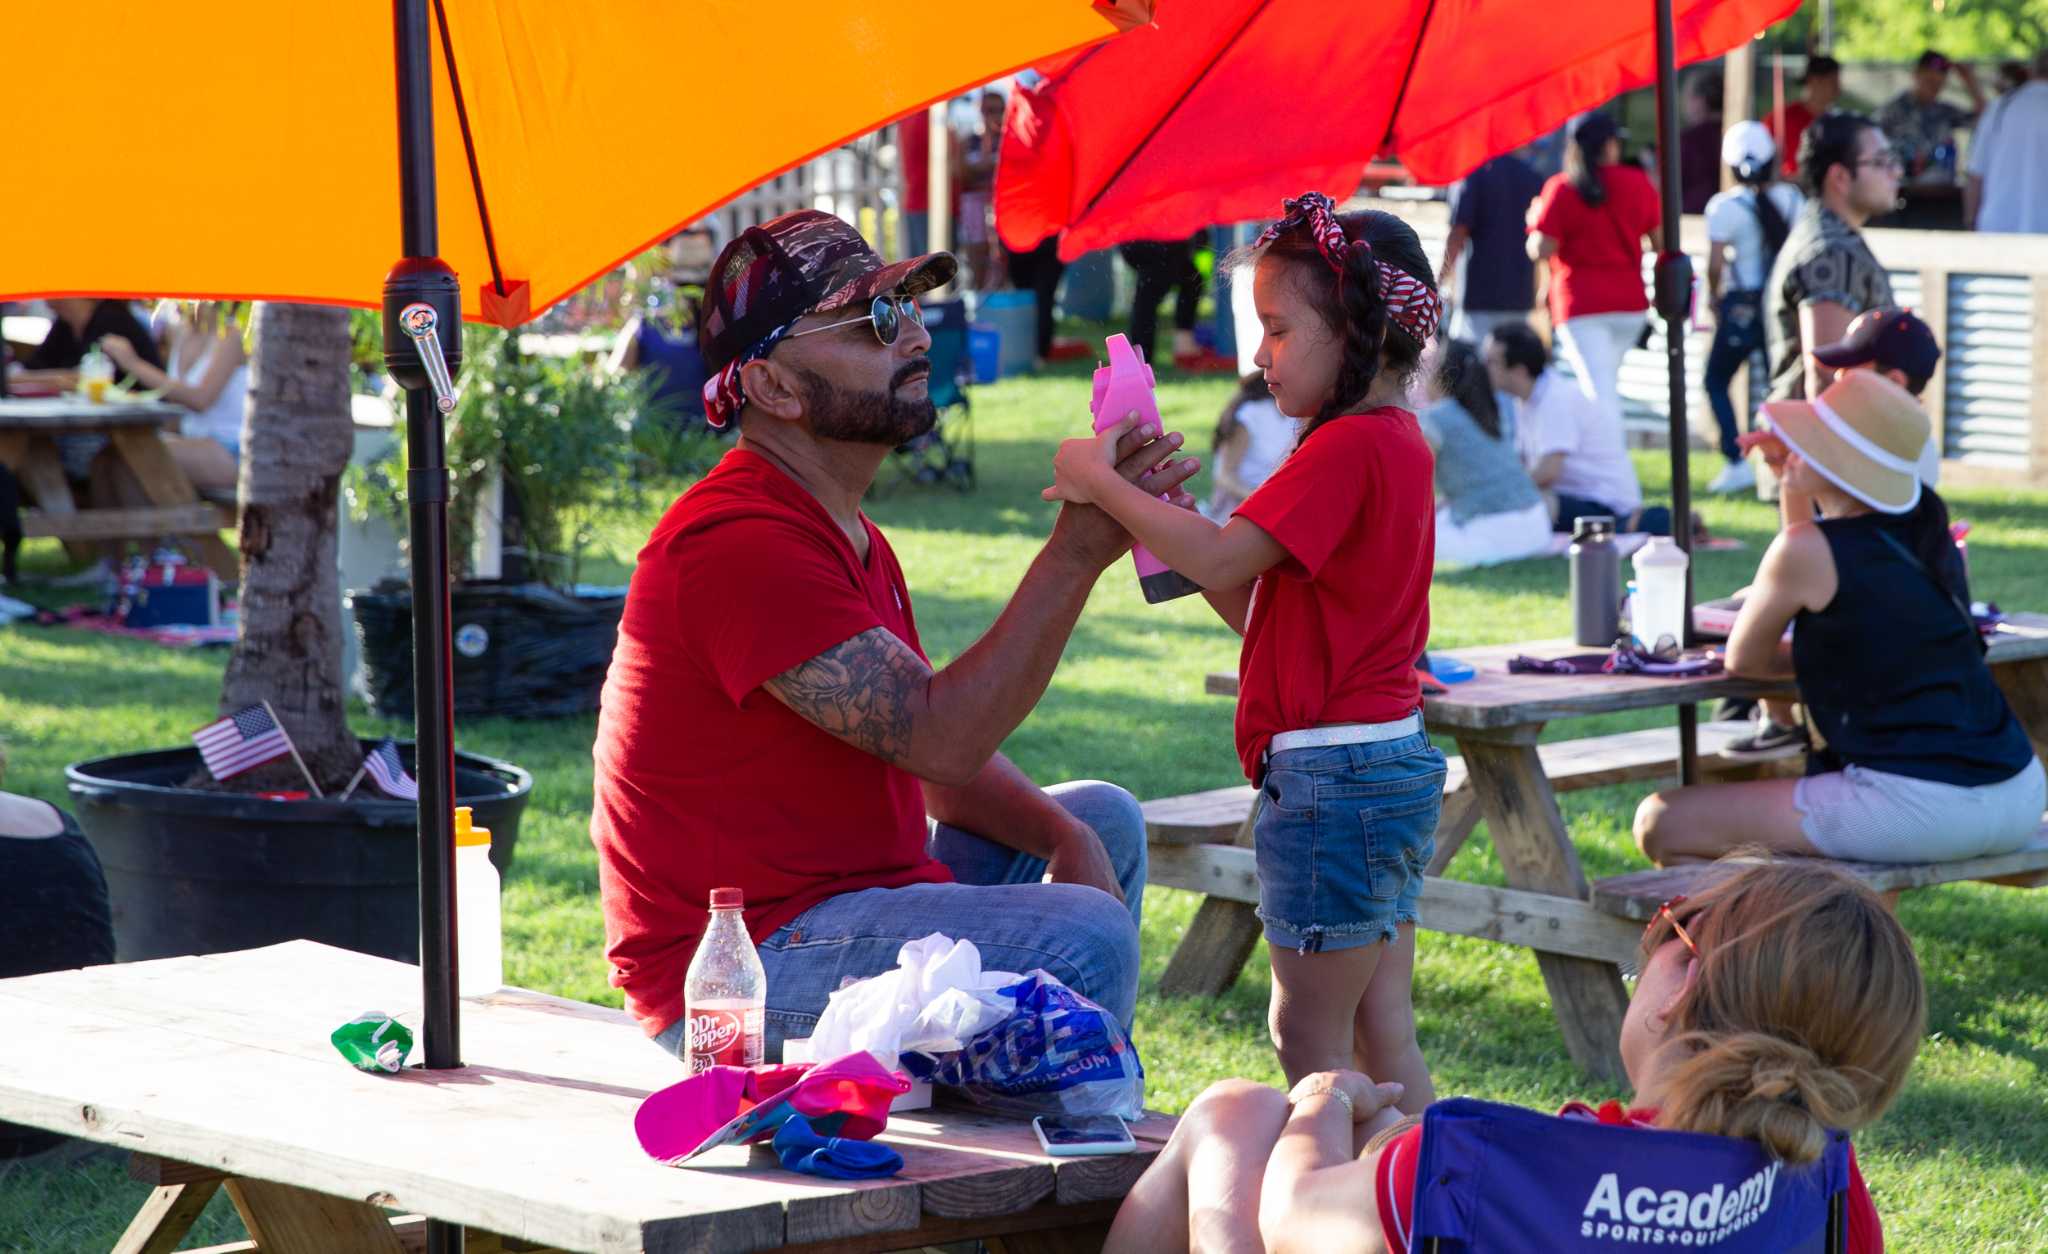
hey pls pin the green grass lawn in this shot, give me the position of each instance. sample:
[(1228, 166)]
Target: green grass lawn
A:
[(1957, 1164)]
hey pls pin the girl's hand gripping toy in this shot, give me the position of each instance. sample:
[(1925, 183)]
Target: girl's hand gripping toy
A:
[(1124, 386)]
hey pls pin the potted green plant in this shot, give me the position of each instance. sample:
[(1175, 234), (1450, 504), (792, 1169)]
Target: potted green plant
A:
[(568, 443), (197, 866)]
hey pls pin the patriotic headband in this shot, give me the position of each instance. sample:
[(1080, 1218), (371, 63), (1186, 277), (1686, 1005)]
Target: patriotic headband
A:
[(723, 395), (1413, 305)]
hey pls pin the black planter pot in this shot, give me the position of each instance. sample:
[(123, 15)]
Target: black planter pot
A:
[(521, 650), (194, 872)]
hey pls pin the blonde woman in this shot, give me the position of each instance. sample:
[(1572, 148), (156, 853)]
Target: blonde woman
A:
[(1781, 1003), (208, 376)]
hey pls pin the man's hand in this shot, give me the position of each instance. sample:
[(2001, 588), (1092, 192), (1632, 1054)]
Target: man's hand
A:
[(1090, 534), (1081, 859)]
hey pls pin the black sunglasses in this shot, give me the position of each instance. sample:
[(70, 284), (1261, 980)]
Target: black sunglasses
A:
[(885, 314)]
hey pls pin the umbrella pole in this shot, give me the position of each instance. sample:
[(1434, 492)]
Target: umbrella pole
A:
[(1674, 302), (423, 349), (422, 322)]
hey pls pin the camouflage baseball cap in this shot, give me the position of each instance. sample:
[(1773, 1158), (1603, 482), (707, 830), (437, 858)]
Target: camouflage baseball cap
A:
[(800, 263)]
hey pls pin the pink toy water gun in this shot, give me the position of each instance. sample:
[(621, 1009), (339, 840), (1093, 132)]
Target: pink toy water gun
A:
[(1124, 386)]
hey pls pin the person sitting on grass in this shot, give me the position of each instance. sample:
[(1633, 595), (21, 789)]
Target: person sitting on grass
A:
[(1781, 1003), (1252, 437), (1572, 452), (1487, 510), (1918, 757)]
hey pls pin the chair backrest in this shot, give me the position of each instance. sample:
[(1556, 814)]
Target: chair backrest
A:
[(1494, 1177), (946, 322)]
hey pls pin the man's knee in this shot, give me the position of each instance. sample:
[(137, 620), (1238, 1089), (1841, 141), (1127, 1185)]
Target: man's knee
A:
[(1116, 817), (1098, 944)]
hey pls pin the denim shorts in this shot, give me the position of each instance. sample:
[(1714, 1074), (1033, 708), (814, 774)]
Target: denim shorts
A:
[(1342, 840)]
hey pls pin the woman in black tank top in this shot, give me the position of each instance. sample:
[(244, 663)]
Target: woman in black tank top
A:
[(1920, 759)]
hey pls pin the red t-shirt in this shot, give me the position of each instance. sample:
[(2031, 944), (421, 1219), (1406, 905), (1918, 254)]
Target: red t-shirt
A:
[(1335, 628), (1598, 267), (704, 779), (914, 144), (1394, 1180), (1797, 118)]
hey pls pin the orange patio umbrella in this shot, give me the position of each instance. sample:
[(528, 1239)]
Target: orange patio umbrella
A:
[(250, 150)]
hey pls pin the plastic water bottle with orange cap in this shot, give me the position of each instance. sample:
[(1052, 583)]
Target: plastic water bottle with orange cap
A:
[(479, 924)]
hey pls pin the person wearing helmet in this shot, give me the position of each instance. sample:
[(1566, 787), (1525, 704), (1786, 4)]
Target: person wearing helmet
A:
[(1746, 225)]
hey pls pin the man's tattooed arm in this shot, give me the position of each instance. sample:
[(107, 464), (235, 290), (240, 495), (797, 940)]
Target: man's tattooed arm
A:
[(865, 691)]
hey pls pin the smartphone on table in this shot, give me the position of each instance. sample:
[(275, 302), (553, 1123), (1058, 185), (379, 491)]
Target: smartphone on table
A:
[(1067, 1136)]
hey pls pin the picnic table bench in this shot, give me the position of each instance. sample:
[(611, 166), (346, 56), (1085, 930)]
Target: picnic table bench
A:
[(1581, 936), (29, 430), (216, 1073)]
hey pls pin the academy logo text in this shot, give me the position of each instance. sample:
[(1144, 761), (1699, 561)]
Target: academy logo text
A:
[(1674, 1217)]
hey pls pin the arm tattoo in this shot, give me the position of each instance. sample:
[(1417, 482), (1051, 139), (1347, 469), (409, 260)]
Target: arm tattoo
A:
[(859, 691)]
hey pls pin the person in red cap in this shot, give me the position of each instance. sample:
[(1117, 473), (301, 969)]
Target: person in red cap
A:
[(770, 720)]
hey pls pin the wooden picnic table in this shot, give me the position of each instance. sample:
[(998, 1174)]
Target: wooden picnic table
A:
[(1496, 718), (29, 430), (216, 1072)]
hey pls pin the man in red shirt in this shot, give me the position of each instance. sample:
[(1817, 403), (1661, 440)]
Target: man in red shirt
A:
[(770, 720), (1818, 90)]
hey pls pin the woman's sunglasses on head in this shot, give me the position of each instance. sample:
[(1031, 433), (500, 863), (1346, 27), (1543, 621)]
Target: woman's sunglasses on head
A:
[(1665, 913)]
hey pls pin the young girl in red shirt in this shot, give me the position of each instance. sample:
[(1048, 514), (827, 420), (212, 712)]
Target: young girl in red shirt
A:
[(1325, 572)]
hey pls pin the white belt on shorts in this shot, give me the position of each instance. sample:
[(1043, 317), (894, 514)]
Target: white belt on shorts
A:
[(1346, 734)]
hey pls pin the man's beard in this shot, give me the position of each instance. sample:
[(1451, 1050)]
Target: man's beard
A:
[(885, 418)]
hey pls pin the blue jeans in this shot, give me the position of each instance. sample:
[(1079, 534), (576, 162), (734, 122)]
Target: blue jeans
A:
[(1080, 935), (1343, 839), (1738, 333), (1655, 519)]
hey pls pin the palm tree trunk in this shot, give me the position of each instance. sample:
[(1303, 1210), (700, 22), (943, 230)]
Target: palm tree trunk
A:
[(296, 439)]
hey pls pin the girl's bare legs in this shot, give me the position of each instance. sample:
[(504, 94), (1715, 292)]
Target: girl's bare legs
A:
[(1383, 1035), (1315, 1006), (1202, 1192)]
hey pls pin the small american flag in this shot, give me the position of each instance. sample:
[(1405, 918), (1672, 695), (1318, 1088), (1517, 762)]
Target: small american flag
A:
[(240, 742), (384, 767)]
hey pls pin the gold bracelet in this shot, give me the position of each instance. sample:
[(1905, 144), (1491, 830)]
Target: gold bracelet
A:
[(1328, 1089)]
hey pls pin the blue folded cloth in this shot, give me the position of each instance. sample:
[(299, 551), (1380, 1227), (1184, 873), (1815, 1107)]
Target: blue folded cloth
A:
[(800, 1148)]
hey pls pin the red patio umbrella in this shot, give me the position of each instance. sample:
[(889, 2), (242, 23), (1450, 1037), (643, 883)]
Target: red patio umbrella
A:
[(1217, 111)]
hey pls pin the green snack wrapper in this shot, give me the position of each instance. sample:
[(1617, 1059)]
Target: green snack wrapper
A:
[(373, 1041)]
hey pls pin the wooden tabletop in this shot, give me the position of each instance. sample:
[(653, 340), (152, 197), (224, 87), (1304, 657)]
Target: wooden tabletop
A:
[(223, 1061), (1493, 698), (60, 415)]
